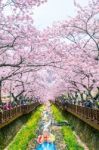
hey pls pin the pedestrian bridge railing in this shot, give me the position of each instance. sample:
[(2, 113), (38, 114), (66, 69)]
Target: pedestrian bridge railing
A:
[(7, 116), (88, 115)]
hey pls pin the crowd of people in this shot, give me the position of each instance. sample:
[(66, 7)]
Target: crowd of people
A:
[(85, 103), (11, 104), (88, 103)]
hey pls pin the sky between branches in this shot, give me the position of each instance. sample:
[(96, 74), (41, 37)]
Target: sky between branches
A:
[(55, 10)]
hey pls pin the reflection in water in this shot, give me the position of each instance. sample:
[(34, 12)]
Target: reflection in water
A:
[(46, 146)]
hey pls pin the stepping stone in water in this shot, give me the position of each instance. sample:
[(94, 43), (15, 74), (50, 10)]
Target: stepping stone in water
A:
[(62, 123)]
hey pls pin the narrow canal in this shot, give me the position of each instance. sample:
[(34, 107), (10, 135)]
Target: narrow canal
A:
[(46, 129)]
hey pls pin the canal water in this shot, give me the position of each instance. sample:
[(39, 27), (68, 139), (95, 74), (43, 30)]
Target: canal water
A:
[(45, 127), (46, 146)]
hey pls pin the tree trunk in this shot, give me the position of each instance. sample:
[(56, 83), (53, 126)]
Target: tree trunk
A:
[(0, 91)]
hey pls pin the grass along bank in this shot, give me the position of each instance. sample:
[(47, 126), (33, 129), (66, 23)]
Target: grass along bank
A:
[(67, 132), (27, 132)]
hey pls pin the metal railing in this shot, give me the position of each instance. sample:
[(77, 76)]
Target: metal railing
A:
[(88, 115), (8, 116)]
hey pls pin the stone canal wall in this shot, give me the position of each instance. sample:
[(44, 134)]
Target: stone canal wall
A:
[(87, 134), (8, 132)]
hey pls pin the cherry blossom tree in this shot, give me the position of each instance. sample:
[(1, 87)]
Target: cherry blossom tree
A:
[(80, 57)]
